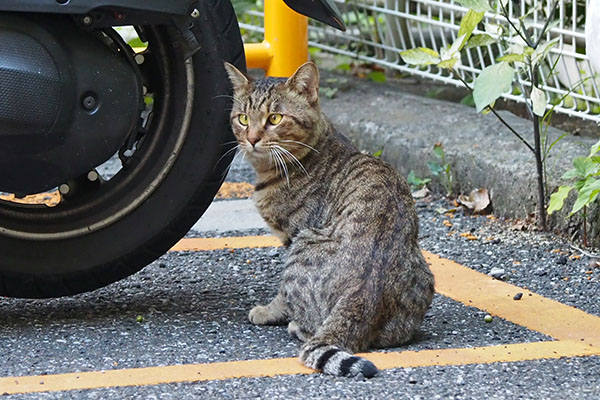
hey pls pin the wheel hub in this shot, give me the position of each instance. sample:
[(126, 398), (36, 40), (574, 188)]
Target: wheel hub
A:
[(70, 99)]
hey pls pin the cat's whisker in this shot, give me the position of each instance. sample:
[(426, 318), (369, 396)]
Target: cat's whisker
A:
[(301, 144), (281, 162), (226, 153), (286, 153), (228, 96), (232, 142), (232, 160), (273, 162)]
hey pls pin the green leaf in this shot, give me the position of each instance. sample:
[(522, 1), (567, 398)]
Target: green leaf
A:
[(329, 92), (558, 139), (343, 67), (468, 24), (448, 64), (376, 76), (575, 172), (377, 153), (468, 100), (585, 166), (491, 83), (435, 168), (451, 55), (420, 56), (512, 57), (414, 180), (538, 101), (595, 148), (557, 199), (541, 52), (587, 194), (482, 39), (476, 5), (438, 150)]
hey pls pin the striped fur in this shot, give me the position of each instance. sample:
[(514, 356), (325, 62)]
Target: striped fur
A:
[(355, 277)]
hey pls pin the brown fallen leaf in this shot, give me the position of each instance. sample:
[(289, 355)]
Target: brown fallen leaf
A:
[(478, 200), (469, 236), (421, 193), (447, 223)]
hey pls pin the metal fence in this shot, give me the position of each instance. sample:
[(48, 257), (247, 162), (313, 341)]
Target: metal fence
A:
[(379, 29)]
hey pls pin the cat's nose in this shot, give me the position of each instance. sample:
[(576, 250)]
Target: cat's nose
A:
[(253, 140)]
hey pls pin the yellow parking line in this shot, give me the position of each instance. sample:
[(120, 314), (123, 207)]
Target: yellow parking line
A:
[(204, 244), (286, 366), (533, 311)]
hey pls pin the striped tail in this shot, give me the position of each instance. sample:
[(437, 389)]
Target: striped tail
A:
[(332, 360)]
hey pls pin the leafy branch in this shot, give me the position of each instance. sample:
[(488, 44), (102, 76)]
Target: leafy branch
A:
[(498, 79)]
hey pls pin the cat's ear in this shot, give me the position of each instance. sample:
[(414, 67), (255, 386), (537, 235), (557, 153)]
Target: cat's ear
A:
[(306, 81), (238, 79)]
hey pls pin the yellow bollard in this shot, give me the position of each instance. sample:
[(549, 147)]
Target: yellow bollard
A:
[(285, 46)]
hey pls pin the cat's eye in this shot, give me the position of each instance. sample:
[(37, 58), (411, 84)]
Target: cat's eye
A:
[(274, 119), (243, 119)]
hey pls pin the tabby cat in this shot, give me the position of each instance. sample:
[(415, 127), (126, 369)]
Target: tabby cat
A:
[(355, 277)]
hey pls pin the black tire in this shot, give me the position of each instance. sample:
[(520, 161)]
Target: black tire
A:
[(113, 231)]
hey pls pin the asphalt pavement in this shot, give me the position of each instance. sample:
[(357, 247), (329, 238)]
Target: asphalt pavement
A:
[(190, 307)]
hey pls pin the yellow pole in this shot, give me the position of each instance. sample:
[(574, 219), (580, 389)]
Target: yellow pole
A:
[(285, 47)]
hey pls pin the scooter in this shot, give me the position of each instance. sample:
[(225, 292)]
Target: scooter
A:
[(74, 94)]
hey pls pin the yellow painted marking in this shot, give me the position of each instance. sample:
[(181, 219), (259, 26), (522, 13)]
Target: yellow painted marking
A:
[(286, 366), (577, 331), (203, 244), (235, 190), (482, 355), (533, 311)]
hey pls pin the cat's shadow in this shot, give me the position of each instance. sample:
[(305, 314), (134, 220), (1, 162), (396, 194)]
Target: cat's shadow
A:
[(110, 304)]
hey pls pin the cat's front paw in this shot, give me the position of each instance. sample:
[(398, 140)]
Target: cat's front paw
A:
[(260, 315)]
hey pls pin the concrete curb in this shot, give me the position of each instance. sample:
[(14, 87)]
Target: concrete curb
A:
[(483, 153)]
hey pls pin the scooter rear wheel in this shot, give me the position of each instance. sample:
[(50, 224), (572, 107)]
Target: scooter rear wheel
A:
[(106, 230)]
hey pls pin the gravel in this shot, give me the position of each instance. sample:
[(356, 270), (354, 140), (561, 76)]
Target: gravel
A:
[(541, 262)]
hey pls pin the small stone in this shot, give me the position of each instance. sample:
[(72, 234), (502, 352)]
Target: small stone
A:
[(412, 381), (497, 273), (562, 260), (496, 241), (518, 296)]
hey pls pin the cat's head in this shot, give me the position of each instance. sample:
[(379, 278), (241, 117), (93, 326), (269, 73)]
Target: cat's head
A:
[(274, 116)]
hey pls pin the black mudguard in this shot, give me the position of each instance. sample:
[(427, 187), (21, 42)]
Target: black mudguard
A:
[(175, 7), (321, 10)]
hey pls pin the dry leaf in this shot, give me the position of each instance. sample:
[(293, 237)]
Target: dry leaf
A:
[(469, 236), (478, 200), (421, 193)]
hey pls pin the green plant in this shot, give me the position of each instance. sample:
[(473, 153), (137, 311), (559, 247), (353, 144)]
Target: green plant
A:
[(524, 56), (585, 178), (442, 169), (415, 182)]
